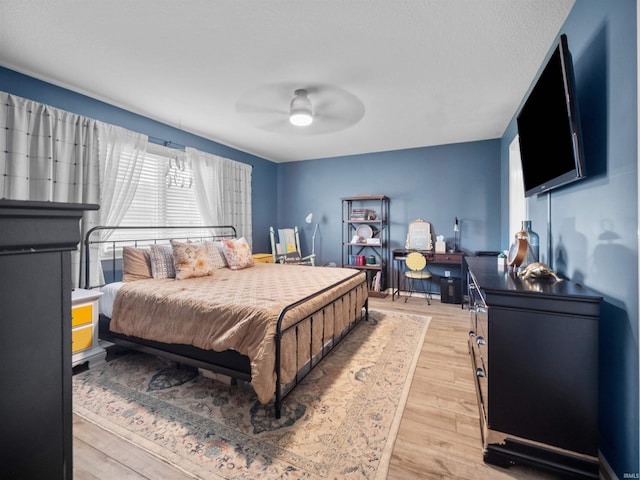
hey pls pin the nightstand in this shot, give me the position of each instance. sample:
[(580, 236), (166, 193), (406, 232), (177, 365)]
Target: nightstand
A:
[(84, 328), (263, 258)]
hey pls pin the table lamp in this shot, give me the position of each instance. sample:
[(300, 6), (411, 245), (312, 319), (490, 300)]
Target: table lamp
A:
[(456, 235), (309, 219)]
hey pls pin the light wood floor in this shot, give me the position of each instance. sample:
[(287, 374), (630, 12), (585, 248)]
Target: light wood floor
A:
[(439, 436)]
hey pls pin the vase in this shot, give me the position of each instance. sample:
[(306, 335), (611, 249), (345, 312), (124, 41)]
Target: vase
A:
[(532, 238)]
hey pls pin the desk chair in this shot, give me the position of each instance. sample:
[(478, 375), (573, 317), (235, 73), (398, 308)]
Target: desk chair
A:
[(417, 272)]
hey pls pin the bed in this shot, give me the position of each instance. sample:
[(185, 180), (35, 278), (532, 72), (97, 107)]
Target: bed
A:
[(267, 324)]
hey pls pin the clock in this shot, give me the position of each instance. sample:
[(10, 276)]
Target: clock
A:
[(517, 252)]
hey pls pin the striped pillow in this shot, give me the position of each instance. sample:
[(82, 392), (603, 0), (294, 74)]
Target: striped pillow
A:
[(162, 261)]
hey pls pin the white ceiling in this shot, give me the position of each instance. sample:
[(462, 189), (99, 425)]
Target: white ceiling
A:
[(382, 75)]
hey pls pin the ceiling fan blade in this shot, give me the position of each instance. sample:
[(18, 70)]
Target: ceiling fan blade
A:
[(267, 108), (245, 107)]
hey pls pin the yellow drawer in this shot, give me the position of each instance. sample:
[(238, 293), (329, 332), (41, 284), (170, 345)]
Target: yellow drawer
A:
[(81, 315), (81, 339), (263, 258)]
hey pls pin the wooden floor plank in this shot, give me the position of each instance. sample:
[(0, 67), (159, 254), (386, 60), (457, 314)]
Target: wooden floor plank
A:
[(99, 454), (438, 438)]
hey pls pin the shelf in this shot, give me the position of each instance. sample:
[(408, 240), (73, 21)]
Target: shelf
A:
[(356, 198), (365, 267), (356, 211)]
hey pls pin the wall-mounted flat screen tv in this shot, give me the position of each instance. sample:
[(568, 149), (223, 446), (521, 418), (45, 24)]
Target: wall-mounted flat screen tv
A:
[(551, 147)]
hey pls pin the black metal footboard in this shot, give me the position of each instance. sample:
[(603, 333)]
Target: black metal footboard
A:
[(359, 311)]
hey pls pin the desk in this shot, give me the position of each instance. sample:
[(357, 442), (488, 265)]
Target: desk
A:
[(400, 254)]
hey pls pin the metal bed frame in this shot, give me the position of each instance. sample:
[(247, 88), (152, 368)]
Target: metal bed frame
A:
[(230, 362)]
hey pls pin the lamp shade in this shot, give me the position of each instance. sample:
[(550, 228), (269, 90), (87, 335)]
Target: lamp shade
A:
[(301, 111)]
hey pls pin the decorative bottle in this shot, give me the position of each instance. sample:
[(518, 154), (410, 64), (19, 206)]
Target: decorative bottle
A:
[(533, 239)]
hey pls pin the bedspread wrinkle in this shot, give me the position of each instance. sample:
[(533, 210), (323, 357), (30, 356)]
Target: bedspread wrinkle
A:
[(235, 310)]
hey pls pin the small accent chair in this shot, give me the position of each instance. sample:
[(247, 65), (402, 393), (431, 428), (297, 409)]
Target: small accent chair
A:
[(417, 271), (287, 247)]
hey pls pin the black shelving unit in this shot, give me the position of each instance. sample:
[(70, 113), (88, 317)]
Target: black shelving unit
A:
[(365, 238)]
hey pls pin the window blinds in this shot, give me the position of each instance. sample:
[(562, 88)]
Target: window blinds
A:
[(164, 196)]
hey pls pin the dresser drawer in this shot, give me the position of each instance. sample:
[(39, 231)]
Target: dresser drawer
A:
[(480, 378), (81, 315), (81, 338), (448, 258)]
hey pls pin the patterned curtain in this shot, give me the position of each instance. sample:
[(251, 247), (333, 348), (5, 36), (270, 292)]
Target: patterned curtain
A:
[(223, 191), (48, 154)]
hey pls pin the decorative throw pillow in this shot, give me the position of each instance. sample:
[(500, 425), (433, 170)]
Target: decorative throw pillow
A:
[(136, 264), (191, 260), (238, 253), (216, 254), (162, 261)]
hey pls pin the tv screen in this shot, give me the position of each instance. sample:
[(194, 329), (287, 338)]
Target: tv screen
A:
[(549, 127)]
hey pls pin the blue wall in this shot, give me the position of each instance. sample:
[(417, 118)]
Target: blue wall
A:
[(594, 222), (594, 226), (263, 172), (436, 184)]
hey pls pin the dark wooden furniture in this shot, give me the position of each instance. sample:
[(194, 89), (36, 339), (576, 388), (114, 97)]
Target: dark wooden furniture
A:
[(368, 213), (35, 337), (534, 350), (441, 259)]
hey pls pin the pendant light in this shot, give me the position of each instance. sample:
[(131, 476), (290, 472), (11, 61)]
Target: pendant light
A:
[(301, 112)]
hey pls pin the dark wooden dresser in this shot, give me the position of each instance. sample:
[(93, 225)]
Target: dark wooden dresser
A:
[(534, 351), (36, 239)]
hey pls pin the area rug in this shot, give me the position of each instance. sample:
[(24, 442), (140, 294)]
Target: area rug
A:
[(340, 422)]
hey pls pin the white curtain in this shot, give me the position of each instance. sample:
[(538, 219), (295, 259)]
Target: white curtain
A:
[(47, 154), (121, 158), (124, 154), (223, 191)]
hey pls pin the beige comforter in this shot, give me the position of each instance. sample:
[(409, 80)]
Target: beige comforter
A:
[(238, 310)]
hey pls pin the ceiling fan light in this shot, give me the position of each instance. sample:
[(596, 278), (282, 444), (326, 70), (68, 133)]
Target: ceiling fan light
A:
[(301, 119), (301, 112)]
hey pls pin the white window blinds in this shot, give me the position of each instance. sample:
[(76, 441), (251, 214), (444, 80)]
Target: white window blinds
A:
[(164, 196)]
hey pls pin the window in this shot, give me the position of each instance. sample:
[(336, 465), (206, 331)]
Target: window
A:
[(517, 203), (165, 196)]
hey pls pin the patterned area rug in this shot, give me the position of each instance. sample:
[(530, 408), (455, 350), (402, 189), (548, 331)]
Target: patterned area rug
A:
[(341, 422)]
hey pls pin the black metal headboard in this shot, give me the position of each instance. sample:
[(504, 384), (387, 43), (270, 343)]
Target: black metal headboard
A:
[(139, 239)]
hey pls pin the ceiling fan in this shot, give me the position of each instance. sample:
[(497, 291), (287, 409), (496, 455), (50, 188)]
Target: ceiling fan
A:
[(269, 107)]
